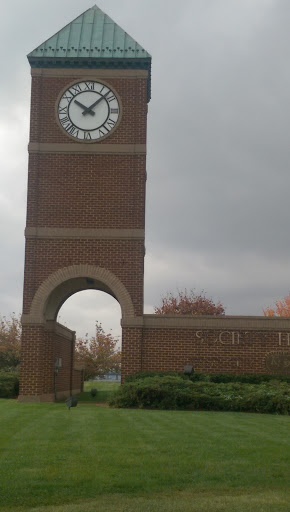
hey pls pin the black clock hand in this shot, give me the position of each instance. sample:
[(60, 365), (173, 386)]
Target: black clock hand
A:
[(87, 110), (96, 102)]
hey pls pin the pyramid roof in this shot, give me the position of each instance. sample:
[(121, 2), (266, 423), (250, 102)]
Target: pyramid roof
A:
[(92, 40)]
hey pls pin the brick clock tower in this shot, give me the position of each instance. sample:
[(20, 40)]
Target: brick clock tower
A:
[(86, 193)]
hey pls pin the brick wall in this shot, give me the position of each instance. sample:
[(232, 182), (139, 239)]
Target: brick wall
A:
[(131, 351), (208, 351), (125, 258), (37, 349), (231, 345), (84, 191), (40, 347), (87, 190)]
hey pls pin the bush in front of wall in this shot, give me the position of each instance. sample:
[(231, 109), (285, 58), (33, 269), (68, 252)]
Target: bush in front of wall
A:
[(174, 392), (143, 375), (9, 384), (251, 378)]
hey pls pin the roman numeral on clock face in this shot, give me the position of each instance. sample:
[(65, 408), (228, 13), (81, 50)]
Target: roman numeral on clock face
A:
[(110, 97), (111, 123), (64, 120), (72, 130), (89, 86), (62, 110), (75, 89), (69, 127), (67, 97), (88, 110)]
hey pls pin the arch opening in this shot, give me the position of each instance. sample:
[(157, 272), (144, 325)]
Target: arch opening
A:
[(69, 288), (58, 287), (95, 316), (85, 309)]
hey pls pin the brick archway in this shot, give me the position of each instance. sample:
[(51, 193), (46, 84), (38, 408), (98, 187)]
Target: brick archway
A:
[(63, 283)]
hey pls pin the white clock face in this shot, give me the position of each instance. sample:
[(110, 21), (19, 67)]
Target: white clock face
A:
[(88, 110)]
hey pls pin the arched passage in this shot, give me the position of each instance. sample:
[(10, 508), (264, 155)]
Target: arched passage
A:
[(56, 289), (95, 317), (51, 342)]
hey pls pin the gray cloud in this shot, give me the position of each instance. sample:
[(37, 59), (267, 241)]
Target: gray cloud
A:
[(218, 144)]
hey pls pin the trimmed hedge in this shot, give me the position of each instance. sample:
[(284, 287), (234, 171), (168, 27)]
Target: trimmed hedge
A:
[(9, 384), (143, 375), (250, 378), (173, 392)]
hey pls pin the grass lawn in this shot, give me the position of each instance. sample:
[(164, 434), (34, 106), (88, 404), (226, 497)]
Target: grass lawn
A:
[(104, 391), (93, 459)]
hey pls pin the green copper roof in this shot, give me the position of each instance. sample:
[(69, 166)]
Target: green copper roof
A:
[(93, 34), (93, 40)]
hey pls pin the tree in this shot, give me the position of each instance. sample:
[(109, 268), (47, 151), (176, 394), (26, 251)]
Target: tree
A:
[(10, 340), (281, 308), (188, 303), (98, 355)]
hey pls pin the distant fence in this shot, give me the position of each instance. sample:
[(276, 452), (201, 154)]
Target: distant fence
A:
[(112, 377)]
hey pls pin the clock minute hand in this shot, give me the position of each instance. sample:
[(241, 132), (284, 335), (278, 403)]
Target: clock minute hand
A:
[(95, 103), (87, 110)]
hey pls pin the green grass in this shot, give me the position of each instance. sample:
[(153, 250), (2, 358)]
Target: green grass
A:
[(98, 459), (105, 391)]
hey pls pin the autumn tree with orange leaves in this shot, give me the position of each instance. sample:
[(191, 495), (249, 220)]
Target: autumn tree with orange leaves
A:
[(99, 354), (281, 308), (188, 303), (10, 339)]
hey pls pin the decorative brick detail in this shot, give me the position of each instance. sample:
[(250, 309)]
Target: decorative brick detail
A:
[(75, 148), (72, 273)]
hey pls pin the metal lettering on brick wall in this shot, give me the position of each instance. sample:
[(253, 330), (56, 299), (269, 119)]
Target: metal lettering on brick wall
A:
[(223, 338), (237, 338)]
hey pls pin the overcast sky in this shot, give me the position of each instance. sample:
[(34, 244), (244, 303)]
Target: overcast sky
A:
[(217, 212)]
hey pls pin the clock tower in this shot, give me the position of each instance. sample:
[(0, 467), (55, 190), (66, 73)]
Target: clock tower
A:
[(86, 193)]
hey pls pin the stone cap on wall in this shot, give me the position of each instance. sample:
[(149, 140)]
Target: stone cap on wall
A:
[(59, 329), (256, 323)]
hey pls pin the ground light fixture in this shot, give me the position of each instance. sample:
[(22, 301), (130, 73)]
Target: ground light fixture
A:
[(72, 401)]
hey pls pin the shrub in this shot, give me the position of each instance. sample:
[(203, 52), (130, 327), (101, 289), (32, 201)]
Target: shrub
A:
[(173, 392), (214, 377), (143, 375), (9, 384), (94, 392), (250, 378)]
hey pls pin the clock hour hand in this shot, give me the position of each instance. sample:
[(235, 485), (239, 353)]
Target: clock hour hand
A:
[(86, 110), (95, 103)]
